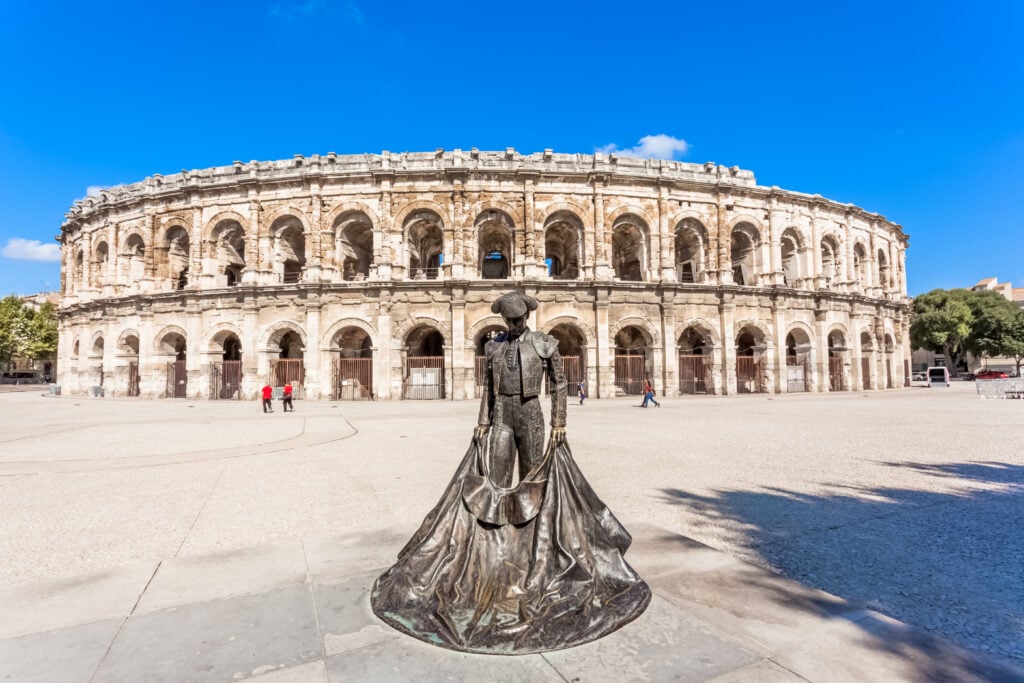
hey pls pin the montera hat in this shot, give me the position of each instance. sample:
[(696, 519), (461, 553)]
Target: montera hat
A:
[(513, 305)]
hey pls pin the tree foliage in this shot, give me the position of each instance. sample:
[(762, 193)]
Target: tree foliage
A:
[(25, 332), (956, 321)]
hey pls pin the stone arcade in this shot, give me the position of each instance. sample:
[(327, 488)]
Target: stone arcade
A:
[(372, 275)]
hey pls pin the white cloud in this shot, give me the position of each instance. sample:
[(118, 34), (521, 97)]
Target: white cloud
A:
[(94, 190), (651, 147), (30, 250)]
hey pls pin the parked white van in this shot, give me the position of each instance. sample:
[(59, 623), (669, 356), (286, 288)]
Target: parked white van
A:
[(938, 377)]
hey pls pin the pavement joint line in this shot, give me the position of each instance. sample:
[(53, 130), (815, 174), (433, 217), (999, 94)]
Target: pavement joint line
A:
[(145, 588), (312, 598), (786, 668), (543, 655), (201, 508), (106, 653)]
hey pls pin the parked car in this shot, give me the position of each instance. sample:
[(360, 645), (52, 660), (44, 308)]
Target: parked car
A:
[(919, 376), (938, 376), (991, 374)]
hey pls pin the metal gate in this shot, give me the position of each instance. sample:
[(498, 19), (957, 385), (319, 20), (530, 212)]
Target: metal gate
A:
[(836, 378), (630, 371), (288, 371), (226, 380), (481, 370), (749, 375), (353, 379), (177, 379), (692, 374), (796, 374), (423, 377), (133, 379), (865, 372), (572, 370)]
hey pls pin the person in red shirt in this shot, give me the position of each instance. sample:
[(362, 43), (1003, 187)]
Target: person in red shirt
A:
[(287, 398), (268, 394)]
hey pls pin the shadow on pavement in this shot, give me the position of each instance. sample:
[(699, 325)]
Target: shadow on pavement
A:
[(947, 562)]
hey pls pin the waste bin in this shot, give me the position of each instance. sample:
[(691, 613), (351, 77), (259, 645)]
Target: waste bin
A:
[(54, 390), (97, 392)]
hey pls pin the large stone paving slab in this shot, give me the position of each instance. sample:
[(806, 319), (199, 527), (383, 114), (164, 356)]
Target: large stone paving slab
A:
[(220, 640), (346, 620), (67, 655)]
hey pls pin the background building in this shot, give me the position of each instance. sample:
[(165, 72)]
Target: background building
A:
[(372, 276)]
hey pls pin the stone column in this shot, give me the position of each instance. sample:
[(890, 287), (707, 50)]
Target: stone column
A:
[(314, 251), (821, 348), (726, 312), (311, 358), (668, 267), (723, 242), (462, 369), (605, 377), (252, 382), (602, 267), (670, 360), (778, 368), (384, 359)]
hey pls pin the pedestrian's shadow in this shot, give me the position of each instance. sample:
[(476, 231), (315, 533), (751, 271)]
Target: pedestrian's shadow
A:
[(948, 558)]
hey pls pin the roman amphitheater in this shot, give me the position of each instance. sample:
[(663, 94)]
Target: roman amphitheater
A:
[(371, 277)]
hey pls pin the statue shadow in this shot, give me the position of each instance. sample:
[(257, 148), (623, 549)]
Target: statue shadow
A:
[(947, 558)]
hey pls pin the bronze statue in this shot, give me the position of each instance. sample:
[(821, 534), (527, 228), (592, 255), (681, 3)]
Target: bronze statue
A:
[(515, 570)]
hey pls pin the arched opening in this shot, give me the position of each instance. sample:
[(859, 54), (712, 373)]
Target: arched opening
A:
[(173, 345), (629, 248), (572, 347), (632, 361), (102, 264), (750, 361), (129, 349), (883, 272), (353, 365), (135, 257), (694, 359), (562, 245), (226, 373), (96, 360), (867, 347), (790, 245), (289, 248), (743, 252), (176, 254), (353, 246), (888, 347), (423, 376), (860, 265), (229, 250), (480, 357), (829, 260), (690, 241), (78, 278), (494, 240), (836, 355), (425, 243), (287, 365), (798, 348)]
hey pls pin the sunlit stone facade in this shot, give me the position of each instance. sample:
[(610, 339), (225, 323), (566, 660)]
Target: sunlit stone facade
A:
[(371, 276)]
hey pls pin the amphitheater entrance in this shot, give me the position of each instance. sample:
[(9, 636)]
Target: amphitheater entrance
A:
[(352, 369), (96, 362), (423, 374), (798, 346), (289, 248), (425, 243), (628, 248), (562, 255), (494, 230), (888, 348), (690, 239), (631, 361), (572, 347), (867, 348), (174, 257), (226, 373), (750, 362), (836, 357), (354, 245), (694, 359), (173, 345), (480, 357), (128, 350), (289, 365)]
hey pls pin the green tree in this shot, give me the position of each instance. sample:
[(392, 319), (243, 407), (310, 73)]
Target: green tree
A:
[(942, 321), (999, 331), (13, 328), (42, 333)]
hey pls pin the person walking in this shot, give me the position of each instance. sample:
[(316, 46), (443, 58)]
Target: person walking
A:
[(268, 395), (286, 399), (582, 389), (649, 394)]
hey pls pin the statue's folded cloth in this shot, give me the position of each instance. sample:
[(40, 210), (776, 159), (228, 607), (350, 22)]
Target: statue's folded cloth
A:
[(531, 568)]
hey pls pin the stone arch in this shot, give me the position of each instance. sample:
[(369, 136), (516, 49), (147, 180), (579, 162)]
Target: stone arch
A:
[(564, 234), (225, 246), (494, 231), (171, 341), (840, 330), (423, 235), (884, 280), (691, 249), (589, 335), (219, 334), (630, 235), (480, 326), (133, 256), (405, 216), (223, 217), (633, 355), (78, 276), (861, 264), (352, 341), (763, 332), (831, 259), (288, 229), (651, 335), (176, 254), (578, 212), (627, 209), (353, 243), (353, 207), (406, 327), (425, 339), (327, 339), (276, 333), (96, 345), (694, 340), (792, 245), (867, 340), (101, 260), (75, 347), (128, 342), (572, 339), (745, 251), (705, 328)]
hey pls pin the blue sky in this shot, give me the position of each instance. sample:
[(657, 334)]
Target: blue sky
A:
[(914, 110)]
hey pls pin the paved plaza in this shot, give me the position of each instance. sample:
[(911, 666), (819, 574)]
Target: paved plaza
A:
[(858, 536)]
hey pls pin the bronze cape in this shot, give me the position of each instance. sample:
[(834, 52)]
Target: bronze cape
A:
[(529, 569)]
